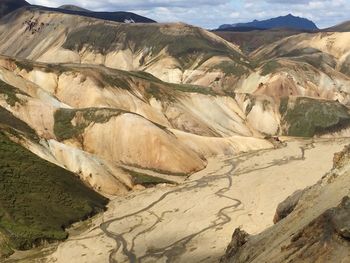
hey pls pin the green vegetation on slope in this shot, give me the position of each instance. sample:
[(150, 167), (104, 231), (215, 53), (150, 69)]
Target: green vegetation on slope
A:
[(252, 40), (119, 81), (251, 103), (307, 117), (153, 87), (64, 128), (194, 89), (31, 65), (5, 248), (71, 123), (8, 119), (345, 67), (150, 38), (145, 179), (150, 86), (10, 93), (39, 199), (270, 67), (144, 75), (231, 68), (26, 65), (312, 56)]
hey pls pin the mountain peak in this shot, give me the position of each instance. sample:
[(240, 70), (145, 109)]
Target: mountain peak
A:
[(8, 6), (288, 21), (73, 8)]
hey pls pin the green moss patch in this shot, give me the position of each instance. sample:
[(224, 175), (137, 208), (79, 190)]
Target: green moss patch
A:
[(251, 104), (64, 128), (345, 67), (153, 87), (9, 120), (118, 81), (307, 117), (26, 65), (145, 179), (5, 248), (39, 199), (10, 93), (144, 75), (149, 38), (230, 68), (270, 67), (193, 89)]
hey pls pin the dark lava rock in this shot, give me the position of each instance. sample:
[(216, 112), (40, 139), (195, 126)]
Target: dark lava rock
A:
[(341, 219), (239, 238), (325, 234), (340, 159), (287, 206)]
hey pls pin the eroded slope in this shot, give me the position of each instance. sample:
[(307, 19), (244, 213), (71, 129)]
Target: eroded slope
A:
[(315, 229), (173, 52)]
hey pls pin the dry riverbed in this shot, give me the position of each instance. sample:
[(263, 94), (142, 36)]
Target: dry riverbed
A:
[(194, 221)]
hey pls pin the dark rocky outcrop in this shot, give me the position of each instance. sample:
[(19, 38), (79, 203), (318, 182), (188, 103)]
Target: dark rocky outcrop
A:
[(287, 206), (318, 239), (341, 219), (315, 225), (340, 159), (239, 238), (324, 239)]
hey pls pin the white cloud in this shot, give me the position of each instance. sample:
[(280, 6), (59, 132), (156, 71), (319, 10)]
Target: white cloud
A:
[(234, 14), (317, 5), (211, 14)]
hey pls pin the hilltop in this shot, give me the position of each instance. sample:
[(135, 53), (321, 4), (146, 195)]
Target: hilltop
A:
[(288, 21), (8, 6), (74, 8)]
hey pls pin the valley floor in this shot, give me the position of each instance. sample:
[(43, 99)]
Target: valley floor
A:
[(194, 221)]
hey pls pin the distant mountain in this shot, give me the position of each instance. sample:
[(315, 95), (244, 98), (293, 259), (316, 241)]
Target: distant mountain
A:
[(288, 21), (74, 8), (238, 28), (251, 38), (7, 6), (343, 27), (121, 17)]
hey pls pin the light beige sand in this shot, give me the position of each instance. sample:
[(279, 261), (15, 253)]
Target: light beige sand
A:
[(193, 222)]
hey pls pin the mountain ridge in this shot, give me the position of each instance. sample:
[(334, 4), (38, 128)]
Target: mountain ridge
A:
[(74, 8), (288, 21), (118, 16), (8, 6), (342, 27)]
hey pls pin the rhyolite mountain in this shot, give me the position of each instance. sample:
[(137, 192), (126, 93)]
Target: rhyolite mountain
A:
[(250, 39), (7, 6), (74, 8), (91, 109), (342, 27), (120, 16), (288, 21)]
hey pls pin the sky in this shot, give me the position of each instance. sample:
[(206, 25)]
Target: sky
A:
[(212, 13)]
